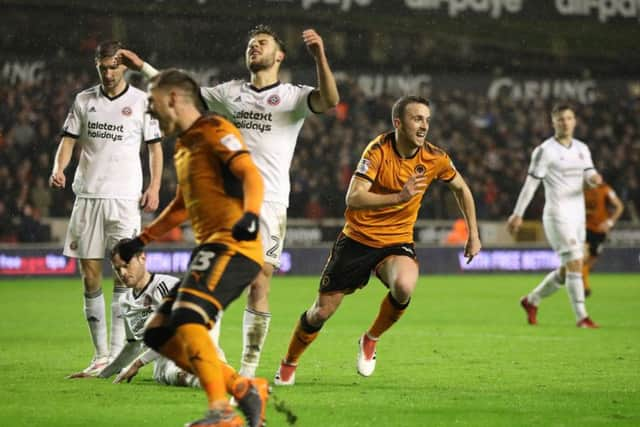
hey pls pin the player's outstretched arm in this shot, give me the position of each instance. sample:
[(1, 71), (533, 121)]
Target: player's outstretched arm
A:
[(61, 161), (172, 216), (129, 372), (326, 96), (467, 206)]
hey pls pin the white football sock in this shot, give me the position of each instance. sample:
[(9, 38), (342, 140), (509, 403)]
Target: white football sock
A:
[(575, 289), (549, 285), (255, 326), (214, 333), (94, 312), (117, 323)]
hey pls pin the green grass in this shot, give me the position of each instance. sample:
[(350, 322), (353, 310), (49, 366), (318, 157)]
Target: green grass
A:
[(462, 355)]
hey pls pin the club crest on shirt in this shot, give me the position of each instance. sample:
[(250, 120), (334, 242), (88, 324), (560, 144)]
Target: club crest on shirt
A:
[(324, 282), (363, 166), (126, 111), (420, 169), (273, 100), (147, 301), (73, 245)]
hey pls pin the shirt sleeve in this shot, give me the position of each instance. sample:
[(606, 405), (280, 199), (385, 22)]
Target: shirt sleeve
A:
[(73, 123), (539, 163), (152, 132), (226, 142), (369, 163), (214, 99), (303, 101), (589, 168), (447, 170)]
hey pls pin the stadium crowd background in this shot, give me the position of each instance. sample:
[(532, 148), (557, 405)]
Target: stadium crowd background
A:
[(490, 140)]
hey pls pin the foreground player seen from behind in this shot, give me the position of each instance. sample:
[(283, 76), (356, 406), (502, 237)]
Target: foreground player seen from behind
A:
[(220, 190), (383, 200)]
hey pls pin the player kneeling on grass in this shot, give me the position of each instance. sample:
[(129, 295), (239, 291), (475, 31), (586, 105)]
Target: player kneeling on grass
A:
[(144, 295), (383, 200)]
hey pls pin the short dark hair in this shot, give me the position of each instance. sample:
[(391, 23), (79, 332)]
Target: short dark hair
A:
[(175, 78), (400, 105), (107, 48), (560, 107), (116, 248), (265, 29)]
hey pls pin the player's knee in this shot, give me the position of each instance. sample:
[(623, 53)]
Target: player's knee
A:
[(399, 304), (403, 288), (574, 265), (310, 322), (320, 314), (157, 337)]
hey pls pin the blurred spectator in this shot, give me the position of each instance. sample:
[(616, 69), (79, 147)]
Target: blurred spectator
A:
[(490, 142), (41, 197), (30, 229)]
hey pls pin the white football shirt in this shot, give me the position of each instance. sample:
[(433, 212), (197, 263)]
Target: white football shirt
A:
[(562, 171), (136, 307), (270, 120), (109, 132)]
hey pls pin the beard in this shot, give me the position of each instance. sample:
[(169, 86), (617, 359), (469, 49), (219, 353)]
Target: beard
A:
[(261, 65)]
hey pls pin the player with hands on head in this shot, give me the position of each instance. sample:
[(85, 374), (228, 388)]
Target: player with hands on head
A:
[(564, 165), (269, 114), (383, 200), (108, 122)]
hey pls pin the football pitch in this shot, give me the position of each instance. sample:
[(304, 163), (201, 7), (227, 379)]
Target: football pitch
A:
[(462, 355)]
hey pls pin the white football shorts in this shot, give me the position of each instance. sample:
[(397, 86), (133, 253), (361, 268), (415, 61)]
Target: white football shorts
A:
[(566, 238), (168, 373), (273, 227), (96, 225)]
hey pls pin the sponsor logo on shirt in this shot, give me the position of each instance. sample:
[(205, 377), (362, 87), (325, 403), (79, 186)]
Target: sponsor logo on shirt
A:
[(104, 130), (253, 120)]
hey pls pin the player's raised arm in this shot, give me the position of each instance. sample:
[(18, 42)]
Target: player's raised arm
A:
[(61, 161), (326, 96), (131, 60), (467, 206)]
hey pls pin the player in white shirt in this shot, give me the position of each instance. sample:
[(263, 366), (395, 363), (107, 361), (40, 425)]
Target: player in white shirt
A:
[(144, 295), (108, 122), (269, 114), (564, 166)]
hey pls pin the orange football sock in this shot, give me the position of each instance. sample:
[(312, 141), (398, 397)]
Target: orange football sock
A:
[(204, 361), (230, 376), (586, 269), (174, 349), (390, 312), (300, 340)]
